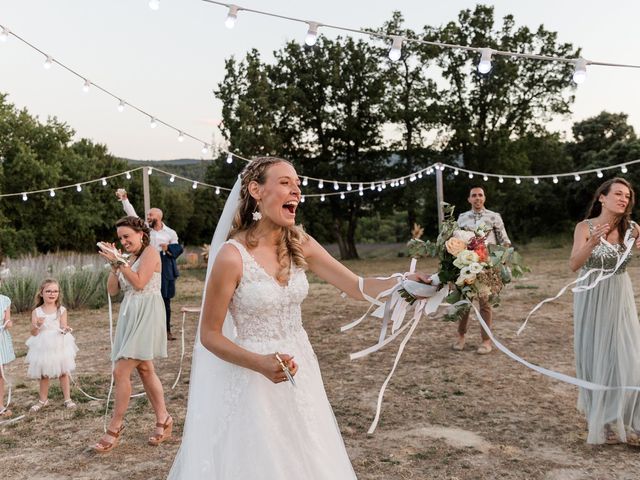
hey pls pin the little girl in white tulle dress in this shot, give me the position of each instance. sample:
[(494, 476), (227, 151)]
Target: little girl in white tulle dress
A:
[(52, 348)]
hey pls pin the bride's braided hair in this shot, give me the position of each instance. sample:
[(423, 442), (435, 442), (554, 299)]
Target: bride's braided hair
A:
[(291, 238)]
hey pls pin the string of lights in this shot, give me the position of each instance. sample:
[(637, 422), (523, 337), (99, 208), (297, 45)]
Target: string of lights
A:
[(395, 52), (340, 187), (351, 187)]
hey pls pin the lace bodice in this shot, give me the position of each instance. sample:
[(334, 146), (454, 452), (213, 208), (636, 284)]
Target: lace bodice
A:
[(262, 309), (51, 320), (605, 256), (152, 286)]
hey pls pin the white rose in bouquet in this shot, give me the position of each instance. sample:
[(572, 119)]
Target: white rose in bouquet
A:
[(466, 258), (464, 235)]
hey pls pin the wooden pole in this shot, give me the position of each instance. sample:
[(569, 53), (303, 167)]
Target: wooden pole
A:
[(145, 190), (439, 195)]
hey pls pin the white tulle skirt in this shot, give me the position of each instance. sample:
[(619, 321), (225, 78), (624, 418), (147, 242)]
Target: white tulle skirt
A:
[(249, 428), (51, 354)]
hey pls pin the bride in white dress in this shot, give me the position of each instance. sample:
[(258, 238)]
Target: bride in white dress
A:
[(245, 420)]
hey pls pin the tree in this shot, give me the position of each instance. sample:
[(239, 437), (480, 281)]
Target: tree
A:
[(483, 113)]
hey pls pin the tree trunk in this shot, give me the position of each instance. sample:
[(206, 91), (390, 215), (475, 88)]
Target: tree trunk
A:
[(340, 240), (351, 236)]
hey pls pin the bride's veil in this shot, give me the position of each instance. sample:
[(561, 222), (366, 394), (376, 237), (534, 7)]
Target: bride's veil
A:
[(206, 392)]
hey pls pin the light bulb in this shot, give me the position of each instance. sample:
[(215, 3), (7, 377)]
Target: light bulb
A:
[(172, 178), (79, 188), (576, 177), (24, 197), (555, 179), (500, 179), (485, 178), (128, 175), (402, 181), (48, 62), (312, 34), (384, 185), (322, 197), (623, 169), (4, 35), (396, 48), (580, 71), (104, 182), (181, 137), (305, 181), (86, 86), (361, 193), (52, 192), (600, 175), (379, 188), (230, 158), (195, 185), (336, 186), (484, 66), (205, 149), (372, 186), (321, 184), (121, 106), (232, 16), (341, 195), (470, 175), (420, 175), (412, 178), (217, 190), (518, 180), (361, 187), (535, 180), (455, 172), (154, 4), (302, 199), (153, 123), (150, 170), (349, 186)]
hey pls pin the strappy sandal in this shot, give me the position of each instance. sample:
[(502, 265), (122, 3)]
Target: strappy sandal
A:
[(70, 404), (611, 436), (157, 438), (38, 406), (104, 446), (633, 437)]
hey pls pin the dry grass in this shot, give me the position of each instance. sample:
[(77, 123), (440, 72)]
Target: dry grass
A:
[(446, 415)]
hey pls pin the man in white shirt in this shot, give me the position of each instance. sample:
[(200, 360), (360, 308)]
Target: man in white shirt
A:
[(470, 220), (165, 240)]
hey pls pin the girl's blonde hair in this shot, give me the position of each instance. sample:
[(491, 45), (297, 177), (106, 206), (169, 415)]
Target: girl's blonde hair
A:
[(39, 298), (291, 239)]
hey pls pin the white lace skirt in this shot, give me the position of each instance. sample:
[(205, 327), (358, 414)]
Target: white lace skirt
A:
[(251, 428)]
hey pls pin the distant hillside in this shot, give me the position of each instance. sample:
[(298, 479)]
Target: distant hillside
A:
[(191, 168)]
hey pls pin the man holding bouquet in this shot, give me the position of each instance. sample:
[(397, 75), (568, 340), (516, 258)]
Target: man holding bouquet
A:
[(491, 222)]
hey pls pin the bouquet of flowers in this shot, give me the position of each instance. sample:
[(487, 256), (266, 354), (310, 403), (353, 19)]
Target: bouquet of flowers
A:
[(468, 265)]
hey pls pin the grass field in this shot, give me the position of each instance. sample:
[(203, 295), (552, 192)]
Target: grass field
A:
[(446, 415)]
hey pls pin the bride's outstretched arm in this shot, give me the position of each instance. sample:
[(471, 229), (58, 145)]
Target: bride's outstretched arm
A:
[(332, 271), (223, 280)]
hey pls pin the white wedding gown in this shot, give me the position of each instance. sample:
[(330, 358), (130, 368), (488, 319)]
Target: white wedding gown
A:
[(250, 428)]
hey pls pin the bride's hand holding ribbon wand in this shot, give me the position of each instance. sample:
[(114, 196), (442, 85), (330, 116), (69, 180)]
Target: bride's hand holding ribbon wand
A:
[(278, 367)]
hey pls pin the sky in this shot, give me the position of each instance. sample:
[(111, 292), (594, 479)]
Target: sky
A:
[(169, 61)]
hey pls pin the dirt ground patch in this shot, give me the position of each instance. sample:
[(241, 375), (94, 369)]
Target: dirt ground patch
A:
[(446, 415)]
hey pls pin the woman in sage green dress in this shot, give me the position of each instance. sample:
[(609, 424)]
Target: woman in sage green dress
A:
[(606, 327), (140, 333)]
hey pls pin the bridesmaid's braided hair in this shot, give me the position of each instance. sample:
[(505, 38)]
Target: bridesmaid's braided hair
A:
[(595, 208), (137, 225), (291, 238)]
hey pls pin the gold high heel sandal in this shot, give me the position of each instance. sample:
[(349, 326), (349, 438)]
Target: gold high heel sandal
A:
[(157, 438), (103, 446)]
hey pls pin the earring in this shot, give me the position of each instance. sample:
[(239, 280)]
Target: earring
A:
[(257, 216)]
